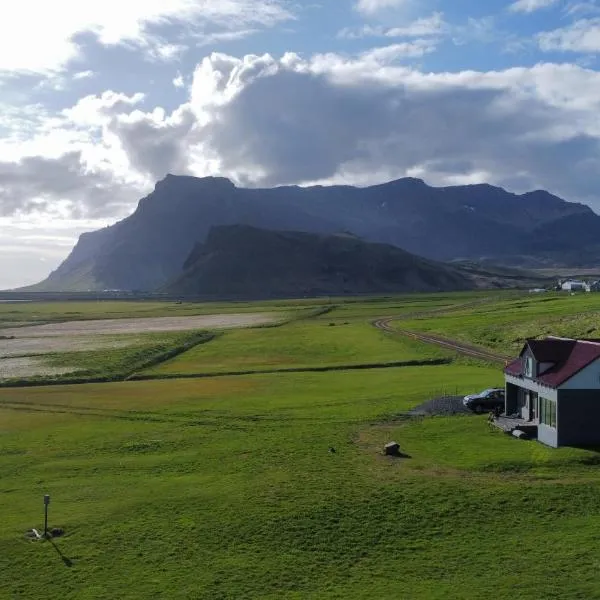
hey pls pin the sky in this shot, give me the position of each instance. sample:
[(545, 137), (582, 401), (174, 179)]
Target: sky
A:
[(99, 100)]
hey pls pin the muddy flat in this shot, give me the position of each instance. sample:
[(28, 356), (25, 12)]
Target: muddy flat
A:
[(47, 344), (132, 326), (29, 367)]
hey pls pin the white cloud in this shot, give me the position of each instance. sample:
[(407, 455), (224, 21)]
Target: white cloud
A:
[(328, 118), (40, 36), (83, 75), (432, 25), (581, 36), (371, 7), (30, 248), (529, 6)]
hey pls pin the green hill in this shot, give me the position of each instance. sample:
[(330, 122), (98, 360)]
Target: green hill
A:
[(246, 262)]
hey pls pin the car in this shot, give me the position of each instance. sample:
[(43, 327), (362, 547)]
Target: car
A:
[(490, 399)]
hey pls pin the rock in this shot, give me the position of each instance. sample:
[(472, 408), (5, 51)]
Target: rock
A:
[(392, 449), (520, 434)]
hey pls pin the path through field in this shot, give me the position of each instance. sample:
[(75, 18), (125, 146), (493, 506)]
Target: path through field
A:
[(429, 338)]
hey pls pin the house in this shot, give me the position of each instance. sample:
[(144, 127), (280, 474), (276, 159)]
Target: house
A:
[(555, 385), (573, 285)]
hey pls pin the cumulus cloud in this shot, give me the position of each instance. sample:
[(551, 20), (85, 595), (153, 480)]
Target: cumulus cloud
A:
[(33, 39), (328, 118), (61, 187)]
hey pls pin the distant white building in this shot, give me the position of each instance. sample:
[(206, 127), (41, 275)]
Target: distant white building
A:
[(572, 285)]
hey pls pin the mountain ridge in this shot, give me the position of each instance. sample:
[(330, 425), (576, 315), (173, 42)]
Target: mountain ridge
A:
[(148, 248)]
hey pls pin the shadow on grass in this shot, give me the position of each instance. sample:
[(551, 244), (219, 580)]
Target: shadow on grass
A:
[(66, 560)]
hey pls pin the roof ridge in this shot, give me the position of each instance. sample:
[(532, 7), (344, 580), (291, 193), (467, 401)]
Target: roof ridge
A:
[(588, 342)]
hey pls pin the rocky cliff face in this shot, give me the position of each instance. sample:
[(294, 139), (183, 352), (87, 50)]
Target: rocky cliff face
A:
[(148, 248)]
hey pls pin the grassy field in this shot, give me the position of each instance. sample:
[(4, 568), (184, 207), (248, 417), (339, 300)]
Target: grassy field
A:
[(225, 487), (504, 322), (231, 479), (318, 343), (117, 359)]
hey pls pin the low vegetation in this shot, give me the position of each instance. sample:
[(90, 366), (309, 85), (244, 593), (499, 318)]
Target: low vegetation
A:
[(108, 364), (320, 343), (504, 322), (274, 486)]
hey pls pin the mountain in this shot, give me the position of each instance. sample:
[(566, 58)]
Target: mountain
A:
[(148, 248), (243, 262)]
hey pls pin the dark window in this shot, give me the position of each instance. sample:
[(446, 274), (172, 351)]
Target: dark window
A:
[(548, 412)]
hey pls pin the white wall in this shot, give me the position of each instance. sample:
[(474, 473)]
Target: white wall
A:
[(587, 379)]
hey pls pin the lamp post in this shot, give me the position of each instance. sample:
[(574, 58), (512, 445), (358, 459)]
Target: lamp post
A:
[(46, 502)]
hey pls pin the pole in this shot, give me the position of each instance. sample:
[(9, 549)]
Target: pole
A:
[(46, 502)]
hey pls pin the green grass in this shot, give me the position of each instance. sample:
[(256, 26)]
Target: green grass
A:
[(55, 312), (224, 488), (505, 322), (324, 342)]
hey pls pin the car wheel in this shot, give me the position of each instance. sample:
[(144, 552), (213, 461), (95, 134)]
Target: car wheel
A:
[(479, 409)]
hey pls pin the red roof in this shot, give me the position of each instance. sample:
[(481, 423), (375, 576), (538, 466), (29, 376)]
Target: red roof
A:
[(567, 356)]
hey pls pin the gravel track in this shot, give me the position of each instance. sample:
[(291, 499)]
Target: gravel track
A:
[(446, 405), (456, 346)]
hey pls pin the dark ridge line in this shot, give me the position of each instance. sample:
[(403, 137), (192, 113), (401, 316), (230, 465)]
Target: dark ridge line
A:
[(357, 367)]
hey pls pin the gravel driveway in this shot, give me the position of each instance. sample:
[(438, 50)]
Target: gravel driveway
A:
[(447, 405)]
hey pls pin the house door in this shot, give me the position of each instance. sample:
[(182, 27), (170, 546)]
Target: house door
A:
[(534, 403), (523, 404)]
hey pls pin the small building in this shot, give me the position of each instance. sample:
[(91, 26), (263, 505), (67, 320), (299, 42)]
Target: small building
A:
[(572, 285), (554, 384)]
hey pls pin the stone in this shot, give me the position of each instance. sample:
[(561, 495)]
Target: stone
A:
[(520, 434), (392, 449)]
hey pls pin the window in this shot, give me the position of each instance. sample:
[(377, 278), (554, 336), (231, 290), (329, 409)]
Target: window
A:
[(529, 366), (548, 412)]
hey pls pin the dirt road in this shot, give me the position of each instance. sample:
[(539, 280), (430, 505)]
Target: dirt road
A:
[(430, 338)]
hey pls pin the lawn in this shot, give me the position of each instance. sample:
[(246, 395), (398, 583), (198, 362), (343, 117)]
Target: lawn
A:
[(273, 486), (305, 344), (225, 488), (504, 322)]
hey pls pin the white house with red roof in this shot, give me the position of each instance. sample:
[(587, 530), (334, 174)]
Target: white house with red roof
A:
[(554, 384)]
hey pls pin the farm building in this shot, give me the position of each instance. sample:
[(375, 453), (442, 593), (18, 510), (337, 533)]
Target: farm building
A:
[(554, 386), (573, 285)]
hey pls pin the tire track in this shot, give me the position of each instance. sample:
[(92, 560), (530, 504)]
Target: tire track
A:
[(428, 338)]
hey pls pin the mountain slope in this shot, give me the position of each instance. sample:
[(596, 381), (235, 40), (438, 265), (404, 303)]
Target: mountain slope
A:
[(240, 261), (147, 249)]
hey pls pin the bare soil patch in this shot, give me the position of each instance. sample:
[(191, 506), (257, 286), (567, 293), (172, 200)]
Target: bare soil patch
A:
[(156, 324), (29, 367), (20, 346)]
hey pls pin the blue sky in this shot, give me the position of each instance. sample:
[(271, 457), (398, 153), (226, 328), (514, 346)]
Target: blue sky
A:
[(98, 101)]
